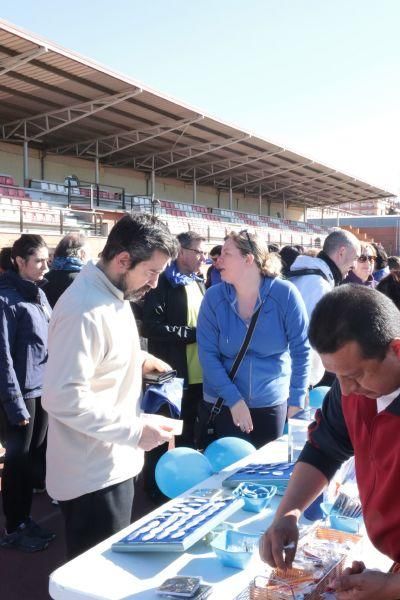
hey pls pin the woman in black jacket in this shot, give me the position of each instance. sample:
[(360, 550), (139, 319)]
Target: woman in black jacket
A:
[(24, 317)]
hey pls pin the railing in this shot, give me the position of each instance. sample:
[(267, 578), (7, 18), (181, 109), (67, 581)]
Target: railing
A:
[(53, 219)]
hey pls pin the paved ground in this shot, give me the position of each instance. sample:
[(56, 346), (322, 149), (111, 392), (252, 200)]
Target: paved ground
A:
[(26, 576)]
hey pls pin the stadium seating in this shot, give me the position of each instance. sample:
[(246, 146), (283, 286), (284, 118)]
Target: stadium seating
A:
[(40, 209)]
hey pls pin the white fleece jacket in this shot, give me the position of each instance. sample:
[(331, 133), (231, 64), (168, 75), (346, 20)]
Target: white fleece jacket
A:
[(92, 389), (312, 288)]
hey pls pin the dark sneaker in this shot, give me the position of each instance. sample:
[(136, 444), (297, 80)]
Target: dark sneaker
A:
[(18, 540), (33, 530)]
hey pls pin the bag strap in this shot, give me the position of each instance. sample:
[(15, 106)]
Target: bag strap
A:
[(216, 409), (301, 272)]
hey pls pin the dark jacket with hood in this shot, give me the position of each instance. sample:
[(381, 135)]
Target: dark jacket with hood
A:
[(24, 318), (63, 272), (164, 323)]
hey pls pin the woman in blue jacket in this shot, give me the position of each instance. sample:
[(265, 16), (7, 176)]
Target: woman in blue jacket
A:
[(275, 370), (24, 317)]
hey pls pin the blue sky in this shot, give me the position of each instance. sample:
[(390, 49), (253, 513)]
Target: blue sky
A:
[(318, 76)]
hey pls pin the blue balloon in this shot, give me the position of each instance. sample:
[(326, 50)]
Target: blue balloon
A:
[(180, 469), (226, 451), (316, 396)]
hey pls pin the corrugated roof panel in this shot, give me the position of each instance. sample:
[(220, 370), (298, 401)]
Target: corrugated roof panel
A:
[(61, 79)]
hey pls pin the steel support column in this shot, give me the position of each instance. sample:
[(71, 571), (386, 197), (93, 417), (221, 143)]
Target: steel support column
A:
[(42, 164), (26, 163), (230, 194), (194, 187), (153, 185), (97, 166), (259, 200)]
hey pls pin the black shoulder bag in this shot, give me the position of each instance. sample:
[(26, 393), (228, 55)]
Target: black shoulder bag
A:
[(209, 434)]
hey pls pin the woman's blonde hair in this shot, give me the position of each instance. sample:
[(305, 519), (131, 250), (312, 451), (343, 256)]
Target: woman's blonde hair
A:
[(269, 263), (365, 246)]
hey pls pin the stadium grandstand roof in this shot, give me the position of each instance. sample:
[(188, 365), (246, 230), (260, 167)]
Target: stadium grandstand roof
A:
[(64, 103)]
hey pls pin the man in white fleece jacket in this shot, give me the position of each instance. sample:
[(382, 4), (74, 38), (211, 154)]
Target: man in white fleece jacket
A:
[(93, 380)]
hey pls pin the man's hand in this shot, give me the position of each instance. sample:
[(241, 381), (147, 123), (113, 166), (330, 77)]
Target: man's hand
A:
[(152, 363), (154, 434), (368, 585), (279, 543), (241, 416), (23, 423), (357, 567)]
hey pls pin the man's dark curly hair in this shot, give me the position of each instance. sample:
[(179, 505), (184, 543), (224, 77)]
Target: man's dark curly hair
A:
[(139, 235)]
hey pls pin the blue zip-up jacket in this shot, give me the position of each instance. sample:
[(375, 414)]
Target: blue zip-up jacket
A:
[(276, 366), (24, 318)]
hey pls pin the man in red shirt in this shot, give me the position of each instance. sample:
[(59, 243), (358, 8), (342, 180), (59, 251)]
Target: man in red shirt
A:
[(356, 331)]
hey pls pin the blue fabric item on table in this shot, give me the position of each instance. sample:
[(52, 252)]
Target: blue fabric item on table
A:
[(169, 393)]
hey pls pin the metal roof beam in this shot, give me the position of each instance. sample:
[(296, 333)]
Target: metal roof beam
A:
[(278, 172), (152, 133), (37, 126), (175, 156), (308, 179), (346, 197), (15, 62), (232, 164), (121, 141)]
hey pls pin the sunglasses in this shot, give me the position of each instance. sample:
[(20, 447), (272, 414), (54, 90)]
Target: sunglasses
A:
[(246, 233), (365, 257)]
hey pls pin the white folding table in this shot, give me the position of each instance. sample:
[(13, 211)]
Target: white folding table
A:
[(102, 574)]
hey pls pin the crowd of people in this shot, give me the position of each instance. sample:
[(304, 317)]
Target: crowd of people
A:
[(73, 366)]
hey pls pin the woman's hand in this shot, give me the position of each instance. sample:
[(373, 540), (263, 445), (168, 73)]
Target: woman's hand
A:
[(241, 416)]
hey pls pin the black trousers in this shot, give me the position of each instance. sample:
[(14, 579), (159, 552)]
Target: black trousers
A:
[(191, 399), (268, 423), (91, 518), (22, 447)]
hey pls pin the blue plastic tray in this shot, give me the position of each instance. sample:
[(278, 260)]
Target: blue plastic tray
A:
[(262, 474), (180, 526)]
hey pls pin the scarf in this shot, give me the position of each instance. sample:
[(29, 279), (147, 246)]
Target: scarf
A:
[(67, 263), (176, 278)]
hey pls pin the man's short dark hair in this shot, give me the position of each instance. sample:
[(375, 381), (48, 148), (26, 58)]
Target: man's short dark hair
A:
[(5, 258), (338, 238), (381, 260), (390, 286), (139, 235), (70, 245), (354, 313), (393, 263), (216, 250), (186, 238)]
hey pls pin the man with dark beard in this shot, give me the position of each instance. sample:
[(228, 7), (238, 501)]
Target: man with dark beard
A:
[(93, 381)]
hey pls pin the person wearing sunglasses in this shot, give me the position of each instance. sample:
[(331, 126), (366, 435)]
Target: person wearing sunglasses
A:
[(363, 268), (275, 369)]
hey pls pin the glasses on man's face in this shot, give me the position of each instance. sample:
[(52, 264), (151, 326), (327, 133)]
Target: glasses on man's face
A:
[(202, 253), (246, 233), (366, 257)]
